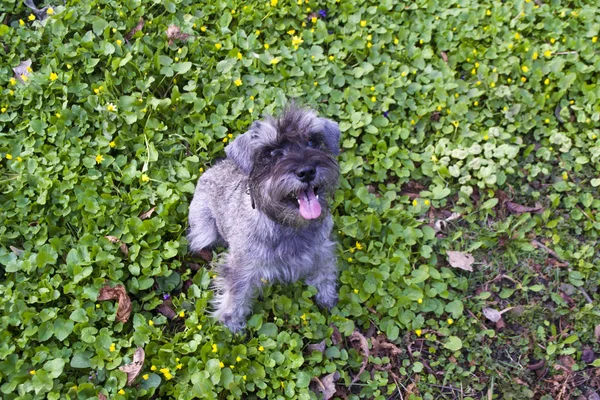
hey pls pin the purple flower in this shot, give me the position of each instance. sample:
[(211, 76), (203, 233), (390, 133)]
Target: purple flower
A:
[(166, 296), (385, 113), (323, 13)]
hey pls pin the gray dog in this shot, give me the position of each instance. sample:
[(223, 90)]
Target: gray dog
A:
[(268, 202)]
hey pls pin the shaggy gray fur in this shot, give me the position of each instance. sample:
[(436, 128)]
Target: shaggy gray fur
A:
[(251, 201)]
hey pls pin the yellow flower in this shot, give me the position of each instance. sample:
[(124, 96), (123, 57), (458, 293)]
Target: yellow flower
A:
[(21, 22), (3, 109), (12, 81), (153, 368), (415, 202), (363, 23), (412, 122), (238, 359), (239, 56), (99, 158), (420, 301), (146, 178), (218, 46), (313, 20), (53, 76), (275, 61), (552, 40), (426, 202), (308, 9), (150, 322), (50, 11), (548, 54), (238, 82), (488, 13), (111, 107), (291, 31), (510, 45), (303, 317), (232, 366), (547, 120), (356, 291), (214, 348), (203, 28), (418, 332), (19, 159), (486, 137), (24, 78), (473, 71), (31, 17), (119, 42), (524, 68), (232, 11), (182, 314), (331, 58), (179, 366), (476, 103), (478, 83), (244, 377), (266, 46), (547, 81), (359, 246), (523, 79), (221, 364), (274, 3), (316, 83), (121, 392), (535, 55), (369, 45), (404, 73), (509, 80), (450, 321), (373, 99), (112, 144), (11, 92), (350, 259), (112, 347), (32, 372), (565, 176), (145, 377), (594, 39), (455, 123), (297, 41), (260, 348), (517, 36)]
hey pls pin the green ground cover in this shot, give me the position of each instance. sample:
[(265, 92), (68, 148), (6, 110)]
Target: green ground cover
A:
[(467, 126)]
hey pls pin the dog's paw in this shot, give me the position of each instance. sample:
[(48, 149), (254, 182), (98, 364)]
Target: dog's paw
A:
[(232, 322)]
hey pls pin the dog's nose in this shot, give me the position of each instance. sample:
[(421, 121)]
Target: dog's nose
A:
[(306, 174)]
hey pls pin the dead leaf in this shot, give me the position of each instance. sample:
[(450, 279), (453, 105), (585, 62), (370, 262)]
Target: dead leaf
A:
[(206, 255), (174, 33), (112, 239), (588, 356), (101, 397), (17, 251), (519, 209), (492, 315), (326, 385), (124, 249), (147, 214), (133, 370), (444, 56), (458, 259), (359, 342), (336, 336), (136, 29), (117, 293), (320, 347), (597, 332), (22, 70), (166, 309), (567, 361)]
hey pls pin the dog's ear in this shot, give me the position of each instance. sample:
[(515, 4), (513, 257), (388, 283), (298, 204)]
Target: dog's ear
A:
[(241, 150), (331, 135)]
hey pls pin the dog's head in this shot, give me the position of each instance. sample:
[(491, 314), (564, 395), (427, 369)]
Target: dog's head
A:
[(291, 165)]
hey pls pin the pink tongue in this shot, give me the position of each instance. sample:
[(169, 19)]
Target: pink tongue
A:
[(309, 204)]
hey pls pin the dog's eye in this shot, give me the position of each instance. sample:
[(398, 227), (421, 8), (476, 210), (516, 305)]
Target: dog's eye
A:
[(313, 144)]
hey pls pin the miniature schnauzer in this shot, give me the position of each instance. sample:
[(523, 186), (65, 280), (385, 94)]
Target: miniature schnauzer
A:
[(267, 200)]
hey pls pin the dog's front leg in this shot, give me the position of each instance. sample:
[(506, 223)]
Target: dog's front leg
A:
[(233, 297), (324, 276)]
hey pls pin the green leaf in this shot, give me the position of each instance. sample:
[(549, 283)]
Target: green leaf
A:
[(453, 343)]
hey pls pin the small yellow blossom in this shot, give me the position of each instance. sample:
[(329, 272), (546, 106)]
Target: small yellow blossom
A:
[(396, 41), (214, 348), (225, 140), (12, 81), (369, 45), (486, 137), (238, 82), (266, 46), (546, 81), (331, 58), (97, 305), (473, 71), (314, 20), (524, 68), (548, 54), (455, 123), (119, 42), (32, 372), (221, 364), (316, 83), (523, 79), (493, 84), (238, 359), (3, 109), (291, 32), (19, 159), (535, 55), (24, 78), (274, 3), (510, 45), (112, 347), (552, 40), (182, 314), (146, 178), (414, 203), (412, 122), (594, 39), (145, 377), (297, 40), (244, 377), (373, 99), (547, 120), (111, 107), (167, 374), (96, 91), (218, 46), (153, 368), (121, 392), (426, 202), (359, 246), (53, 76), (509, 80), (450, 321), (478, 83), (404, 73), (363, 23), (179, 366), (31, 17), (517, 36), (11, 92), (420, 301), (203, 28), (418, 332), (488, 13), (349, 259), (112, 144), (99, 158), (356, 291), (239, 56), (261, 348)]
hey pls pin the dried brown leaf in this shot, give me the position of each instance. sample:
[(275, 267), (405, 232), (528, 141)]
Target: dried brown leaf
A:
[(147, 214), (320, 347), (124, 249), (124, 303), (174, 33), (492, 315), (22, 70), (567, 361), (326, 385), (112, 239), (166, 309), (359, 342), (588, 356), (136, 29), (444, 56), (458, 259), (519, 209), (336, 336), (133, 370), (101, 397), (16, 250)]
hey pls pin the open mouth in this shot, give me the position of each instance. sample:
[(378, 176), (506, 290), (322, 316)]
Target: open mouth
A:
[(307, 200)]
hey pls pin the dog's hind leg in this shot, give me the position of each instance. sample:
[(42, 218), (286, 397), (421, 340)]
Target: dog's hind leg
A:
[(203, 231)]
